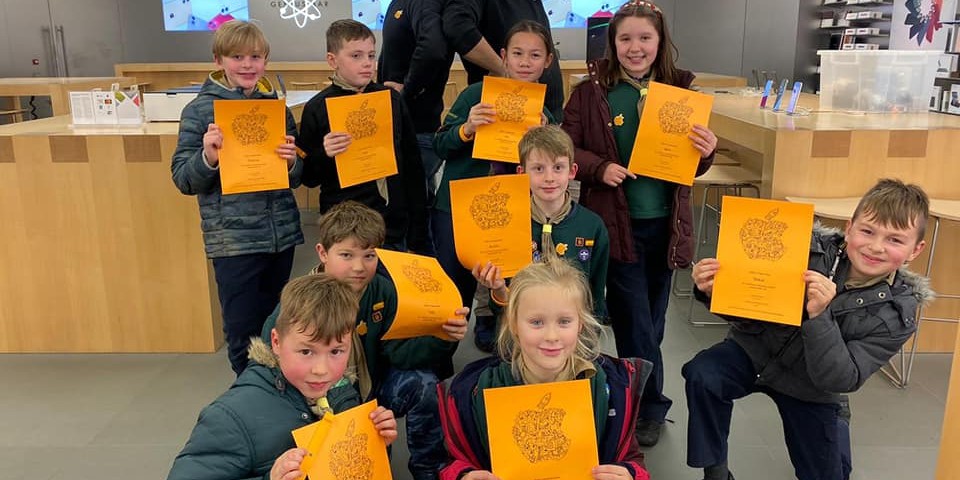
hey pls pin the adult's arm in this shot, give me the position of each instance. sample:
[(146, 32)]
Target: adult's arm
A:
[(461, 21)]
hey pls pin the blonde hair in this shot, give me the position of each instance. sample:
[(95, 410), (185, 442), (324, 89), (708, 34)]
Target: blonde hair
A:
[(572, 283), (894, 203), (352, 219), (317, 305), (550, 140), (238, 37)]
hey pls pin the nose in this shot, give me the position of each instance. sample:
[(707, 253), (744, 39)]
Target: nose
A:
[(550, 333), (319, 367)]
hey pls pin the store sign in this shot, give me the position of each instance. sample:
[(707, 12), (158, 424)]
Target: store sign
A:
[(300, 11)]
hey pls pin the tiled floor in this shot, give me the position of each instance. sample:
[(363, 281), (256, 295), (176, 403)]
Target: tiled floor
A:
[(108, 417)]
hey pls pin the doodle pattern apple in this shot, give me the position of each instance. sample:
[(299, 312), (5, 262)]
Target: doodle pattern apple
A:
[(248, 128), (348, 457), (489, 210), (538, 434), (511, 106), (421, 277), (674, 117), (362, 122), (762, 238)]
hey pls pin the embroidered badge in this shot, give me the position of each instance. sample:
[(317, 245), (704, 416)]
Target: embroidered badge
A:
[(588, 243), (398, 14), (377, 316), (536, 257), (618, 120), (579, 241), (561, 249), (362, 328), (584, 254), (378, 306)]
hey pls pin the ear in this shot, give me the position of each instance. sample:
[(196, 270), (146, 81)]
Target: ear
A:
[(332, 60), (519, 168), (322, 254), (846, 228), (503, 54), (218, 60), (546, 64), (275, 341), (916, 250), (573, 170)]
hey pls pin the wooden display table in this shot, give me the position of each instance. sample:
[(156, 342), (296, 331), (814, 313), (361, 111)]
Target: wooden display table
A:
[(57, 88)]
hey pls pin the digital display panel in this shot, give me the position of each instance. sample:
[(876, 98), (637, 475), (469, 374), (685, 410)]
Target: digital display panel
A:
[(562, 13), (202, 15)]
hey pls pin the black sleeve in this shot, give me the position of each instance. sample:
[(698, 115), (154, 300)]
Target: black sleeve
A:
[(461, 19), (430, 54), (414, 182), (313, 127)]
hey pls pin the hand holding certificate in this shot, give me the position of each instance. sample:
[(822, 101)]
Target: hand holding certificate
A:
[(491, 221), (368, 118), (518, 106), (763, 251), (426, 297), (345, 445), (252, 130), (662, 148)]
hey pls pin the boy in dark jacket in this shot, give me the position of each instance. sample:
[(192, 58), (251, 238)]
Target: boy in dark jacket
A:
[(401, 374), (400, 198), (861, 307), (301, 375), (249, 236)]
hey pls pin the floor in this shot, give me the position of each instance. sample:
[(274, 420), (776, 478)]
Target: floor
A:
[(112, 416)]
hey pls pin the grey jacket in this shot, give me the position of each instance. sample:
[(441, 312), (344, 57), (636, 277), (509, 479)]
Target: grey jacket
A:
[(837, 351), (239, 224)]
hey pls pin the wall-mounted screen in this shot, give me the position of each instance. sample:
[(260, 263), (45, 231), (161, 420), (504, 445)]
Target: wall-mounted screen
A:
[(202, 15), (562, 13)]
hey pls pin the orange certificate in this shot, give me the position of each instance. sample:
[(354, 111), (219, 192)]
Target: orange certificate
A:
[(542, 431), (252, 131), (763, 250), (661, 148), (426, 297), (311, 438), (491, 221), (368, 118), (519, 105), (351, 447)]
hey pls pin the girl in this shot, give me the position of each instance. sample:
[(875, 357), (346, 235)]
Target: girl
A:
[(528, 50), (549, 335), (649, 220)]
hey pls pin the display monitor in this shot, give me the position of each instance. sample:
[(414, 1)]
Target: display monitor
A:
[(202, 15), (562, 13)]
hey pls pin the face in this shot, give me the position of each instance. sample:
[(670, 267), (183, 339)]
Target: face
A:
[(526, 57), (637, 44), (547, 327), (243, 70), (875, 249), (356, 62), (349, 262), (312, 367), (549, 177)]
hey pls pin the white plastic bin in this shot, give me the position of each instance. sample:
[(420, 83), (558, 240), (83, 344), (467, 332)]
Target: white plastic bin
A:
[(877, 80)]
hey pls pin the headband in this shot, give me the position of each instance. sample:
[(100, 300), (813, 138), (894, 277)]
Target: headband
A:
[(641, 3)]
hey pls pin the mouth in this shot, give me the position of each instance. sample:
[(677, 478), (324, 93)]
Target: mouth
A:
[(318, 386), (871, 259), (551, 352)]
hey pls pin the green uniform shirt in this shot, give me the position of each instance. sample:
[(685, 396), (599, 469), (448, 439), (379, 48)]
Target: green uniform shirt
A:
[(646, 197)]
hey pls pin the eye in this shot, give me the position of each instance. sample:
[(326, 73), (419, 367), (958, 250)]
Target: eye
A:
[(370, 256), (305, 352), (535, 322), (346, 255), (338, 351), (866, 231), (896, 240), (255, 57), (566, 321)]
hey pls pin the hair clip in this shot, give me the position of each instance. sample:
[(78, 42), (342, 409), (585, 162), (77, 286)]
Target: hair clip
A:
[(642, 3)]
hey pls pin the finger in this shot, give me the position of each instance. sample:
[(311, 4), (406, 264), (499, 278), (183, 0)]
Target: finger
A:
[(292, 475)]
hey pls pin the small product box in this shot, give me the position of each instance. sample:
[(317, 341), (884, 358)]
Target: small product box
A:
[(935, 95), (953, 106), (826, 22), (843, 23), (947, 64), (868, 31), (848, 46), (851, 15), (869, 15), (850, 31)]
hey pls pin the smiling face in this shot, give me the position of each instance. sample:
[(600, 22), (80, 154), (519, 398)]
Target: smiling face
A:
[(242, 69), (349, 262), (355, 62), (311, 366), (526, 56), (876, 249), (549, 177), (637, 44), (547, 326)]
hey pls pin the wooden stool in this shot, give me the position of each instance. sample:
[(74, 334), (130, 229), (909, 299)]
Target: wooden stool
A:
[(719, 179), (16, 115)]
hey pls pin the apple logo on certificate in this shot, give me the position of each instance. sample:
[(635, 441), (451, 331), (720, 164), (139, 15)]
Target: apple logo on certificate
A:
[(538, 434)]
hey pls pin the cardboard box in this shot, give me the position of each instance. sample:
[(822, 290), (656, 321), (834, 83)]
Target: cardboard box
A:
[(947, 64), (953, 100), (850, 31), (935, 96), (826, 22), (868, 31)]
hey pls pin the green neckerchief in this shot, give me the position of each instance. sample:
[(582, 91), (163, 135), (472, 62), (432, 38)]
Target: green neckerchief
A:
[(539, 216), (640, 84)]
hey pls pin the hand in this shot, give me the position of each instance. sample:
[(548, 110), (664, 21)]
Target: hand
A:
[(480, 475), (615, 174), (394, 85), (288, 151), (287, 466), (212, 143), (491, 277), (385, 423), (703, 140), (456, 328), (480, 114), (703, 274), (610, 472), (820, 292), (335, 143)]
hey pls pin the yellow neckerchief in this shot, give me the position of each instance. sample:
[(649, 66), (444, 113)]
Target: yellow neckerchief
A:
[(640, 85), (546, 237), (319, 406)]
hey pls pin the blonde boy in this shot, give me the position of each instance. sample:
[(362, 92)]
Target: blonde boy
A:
[(245, 433)]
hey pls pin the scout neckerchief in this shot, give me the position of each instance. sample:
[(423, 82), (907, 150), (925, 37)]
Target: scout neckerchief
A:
[(640, 84), (539, 216)]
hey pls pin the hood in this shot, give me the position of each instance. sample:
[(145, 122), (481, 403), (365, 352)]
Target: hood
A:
[(216, 85)]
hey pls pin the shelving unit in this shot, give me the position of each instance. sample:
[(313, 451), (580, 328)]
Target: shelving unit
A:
[(845, 25)]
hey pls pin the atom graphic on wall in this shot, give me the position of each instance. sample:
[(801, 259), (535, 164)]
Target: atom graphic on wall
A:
[(299, 10)]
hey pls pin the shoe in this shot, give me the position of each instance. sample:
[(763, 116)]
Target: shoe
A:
[(729, 476), (647, 432), (484, 334)]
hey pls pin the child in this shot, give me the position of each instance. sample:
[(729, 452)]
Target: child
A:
[(860, 309), (402, 374), (561, 227), (649, 220), (400, 198), (245, 433), (249, 236), (548, 335), (528, 51)]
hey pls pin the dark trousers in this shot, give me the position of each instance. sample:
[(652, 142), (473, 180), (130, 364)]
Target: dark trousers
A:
[(442, 225), (431, 164), (413, 394), (249, 289), (817, 440), (637, 295)]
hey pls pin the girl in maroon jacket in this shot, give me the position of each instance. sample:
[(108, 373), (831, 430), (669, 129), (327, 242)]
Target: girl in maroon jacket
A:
[(648, 219)]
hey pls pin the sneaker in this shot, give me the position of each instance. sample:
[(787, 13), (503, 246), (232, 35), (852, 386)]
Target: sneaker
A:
[(729, 476), (648, 432)]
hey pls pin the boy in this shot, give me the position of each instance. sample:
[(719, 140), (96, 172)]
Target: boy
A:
[(400, 198), (561, 228), (403, 374), (249, 236), (860, 309), (245, 433)]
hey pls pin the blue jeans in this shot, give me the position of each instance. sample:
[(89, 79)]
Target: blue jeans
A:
[(818, 441), (413, 394), (637, 295)]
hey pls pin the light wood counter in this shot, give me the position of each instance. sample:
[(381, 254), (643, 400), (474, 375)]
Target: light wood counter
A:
[(836, 154), (57, 88)]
